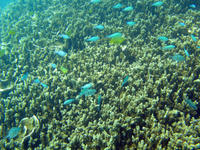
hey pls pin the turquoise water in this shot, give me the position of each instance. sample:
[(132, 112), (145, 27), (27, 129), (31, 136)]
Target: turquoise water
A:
[(99, 74)]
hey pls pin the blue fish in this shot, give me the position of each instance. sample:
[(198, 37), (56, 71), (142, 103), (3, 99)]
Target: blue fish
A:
[(193, 38), (36, 81), (25, 76), (192, 6), (117, 6), (168, 47), (13, 132), (130, 23), (99, 101), (44, 85), (95, 1), (130, 8), (125, 81), (69, 101), (60, 53), (87, 92), (198, 46), (64, 36), (157, 4), (191, 104), (178, 58), (87, 86), (93, 39), (53, 66), (100, 27), (114, 35), (163, 38), (186, 52), (182, 24)]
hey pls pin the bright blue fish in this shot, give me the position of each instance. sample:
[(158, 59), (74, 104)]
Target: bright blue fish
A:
[(25, 76), (13, 132), (95, 1), (130, 23), (192, 6), (186, 52), (53, 66), (64, 36), (44, 85), (60, 53), (178, 58), (114, 35), (100, 27), (168, 47), (157, 4), (87, 86), (125, 81), (36, 81), (130, 8), (193, 38), (87, 92), (93, 39), (69, 101), (182, 24), (163, 38), (117, 6)]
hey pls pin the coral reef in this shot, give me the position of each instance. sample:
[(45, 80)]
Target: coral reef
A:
[(148, 112)]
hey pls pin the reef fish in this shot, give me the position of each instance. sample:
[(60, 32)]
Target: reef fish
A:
[(93, 39), (114, 35), (117, 6), (193, 38), (99, 101), (44, 85), (87, 92), (69, 101), (53, 66), (130, 23), (60, 53), (100, 27), (87, 86), (13, 132), (163, 38), (157, 4), (182, 24), (36, 81), (125, 81), (129, 8), (186, 52), (95, 1), (192, 6), (64, 36), (168, 47), (25, 76), (178, 57), (191, 104)]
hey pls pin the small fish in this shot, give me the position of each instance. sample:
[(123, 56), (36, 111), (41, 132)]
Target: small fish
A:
[(60, 53), (168, 47), (69, 101), (64, 36), (192, 6), (87, 86), (13, 132), (163, 38), (99, 101), (178, 58), (100, 27), (25, 76), (193, 38), (157, 4), (125, 81), (198, 46), (182, 24), (117, 6), (95, 1), (93, 39), (186, 52), (36, 81), (87, 92), (53, 66), (130, 23), (130, 8), (114, 35), (44, 85), (191, 104)]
